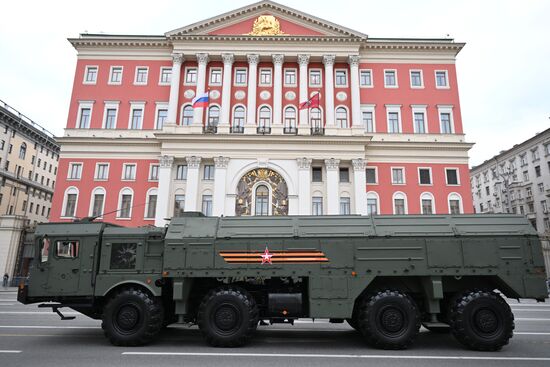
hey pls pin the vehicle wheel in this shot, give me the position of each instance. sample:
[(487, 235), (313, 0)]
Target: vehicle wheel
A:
[(482, 320), (228, 317), (132, 317), (353, 323), (389, 320)]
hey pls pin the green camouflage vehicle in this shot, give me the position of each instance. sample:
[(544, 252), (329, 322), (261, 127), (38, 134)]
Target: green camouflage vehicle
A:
[(385, 275)]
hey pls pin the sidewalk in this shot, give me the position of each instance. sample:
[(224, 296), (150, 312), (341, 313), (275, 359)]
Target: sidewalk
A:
[(8, 289)]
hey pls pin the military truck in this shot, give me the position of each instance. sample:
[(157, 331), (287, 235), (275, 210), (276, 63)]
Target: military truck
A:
[(385, 275)]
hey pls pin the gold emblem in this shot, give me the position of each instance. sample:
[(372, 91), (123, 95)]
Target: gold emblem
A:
[(266, 25)]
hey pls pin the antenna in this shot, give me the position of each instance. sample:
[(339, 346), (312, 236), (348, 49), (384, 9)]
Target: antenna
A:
[(92, 218)]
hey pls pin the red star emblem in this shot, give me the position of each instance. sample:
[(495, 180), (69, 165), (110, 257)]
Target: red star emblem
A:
[(266, 257)]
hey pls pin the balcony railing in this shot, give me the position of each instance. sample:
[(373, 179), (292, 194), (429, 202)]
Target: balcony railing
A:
[(210, 129), (263, 130), (237, 129), (317, 130), (290, 130)]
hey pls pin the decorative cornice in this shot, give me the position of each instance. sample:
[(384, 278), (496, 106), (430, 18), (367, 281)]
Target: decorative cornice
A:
[(193, 162), (166, 161), (253, 59), (228, 58), (328, 60), (303, 60), (278, 59), (332, 164), (221, 162), (304, 163)]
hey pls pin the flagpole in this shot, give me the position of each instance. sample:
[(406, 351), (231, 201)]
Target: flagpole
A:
[(207, 105)]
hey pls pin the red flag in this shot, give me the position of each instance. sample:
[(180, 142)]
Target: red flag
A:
[(313, 102)]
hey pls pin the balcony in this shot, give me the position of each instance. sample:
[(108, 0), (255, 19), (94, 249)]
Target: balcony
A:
[(263, 130), (210, 129), (290, 130), (236, 129), (317, 130), (529, 199)]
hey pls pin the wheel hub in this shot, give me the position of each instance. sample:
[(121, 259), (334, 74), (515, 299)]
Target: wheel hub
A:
[(226, 317), (127, 317), (486, 321), (392, 320)]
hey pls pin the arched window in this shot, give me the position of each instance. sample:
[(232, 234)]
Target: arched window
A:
[(455, 203), (238, 117), (125, 201), (97, 202), (315, 117), (341, 117), (70, 200), (213, 116), (23, 151), (399, 203), (262, 200), (151, 203), (265, 116), (290, 120), (187, 115), (427, 205), (372, 203)]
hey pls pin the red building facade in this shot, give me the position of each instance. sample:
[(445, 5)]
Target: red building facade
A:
[(386, 138)]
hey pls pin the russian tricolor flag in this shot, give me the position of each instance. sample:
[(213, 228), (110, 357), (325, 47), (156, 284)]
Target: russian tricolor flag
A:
[(200, 100)]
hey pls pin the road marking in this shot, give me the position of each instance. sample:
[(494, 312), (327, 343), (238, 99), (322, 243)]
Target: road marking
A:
[(524, 310), (529, 305), (10, 351), (529, 333), (36, 313), (46, 327), (529, 319), (350, 356)]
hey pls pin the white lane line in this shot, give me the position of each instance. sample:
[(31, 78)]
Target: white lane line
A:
[(529, 305), (352, 356), (529, 333), (46, 327), (524, 310), (529, 319), (10, 351), (36, 313)]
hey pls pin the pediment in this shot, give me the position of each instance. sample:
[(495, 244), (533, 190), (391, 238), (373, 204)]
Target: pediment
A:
[(266, 18)]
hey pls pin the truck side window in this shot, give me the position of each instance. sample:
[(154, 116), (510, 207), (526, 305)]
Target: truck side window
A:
[(123, 255), (44, 249), (66, 249)]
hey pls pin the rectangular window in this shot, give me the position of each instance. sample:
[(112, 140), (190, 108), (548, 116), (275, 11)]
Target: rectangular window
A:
[(181, 172), (537, 171), (544, 206), (97, 208), (125, 206), (90, 76), (317, 205), (240, 76), (116, 75), (137, 117), (372, 176), (452, 176), (397, 176), (372, 206), (541, 187), (290, 77), (368, 122), (85, 114), (365, 78), (454, 206), (314, 78), (393, 123), (419, 123), (265, 76), (75, 171), (535, 153), (345, 206), (165, 76), (179, 205), (445, 119), (341, 78), (425, 176), (162, 115), (441, 79), (525, 176), (70, 206), (154, 172), (344, 174), (141, 75), (151, 206), (66, 249), (316, 174), (399, 206), (191, 76), (129, 172), (102, 171), (416, 79), (110, 118), (215, 76), (208, 172), (390, 78), (207, 205), (427, 206), (123, 256)]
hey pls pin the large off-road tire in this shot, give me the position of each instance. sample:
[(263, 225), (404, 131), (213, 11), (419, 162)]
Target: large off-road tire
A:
[(482, 320), (389, 320), (132, 317), (353, 323), (228, 317)]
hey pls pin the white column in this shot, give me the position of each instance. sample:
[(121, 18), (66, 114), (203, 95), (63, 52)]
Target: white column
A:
[(177, 60), (192, 186), (202, 59), (353, 61), (328, 60), (304, 186), (360, 185), (163, 192), (226, 88), (253, 60), (333, 192), (303, 61), (278, 61), (220, 177)]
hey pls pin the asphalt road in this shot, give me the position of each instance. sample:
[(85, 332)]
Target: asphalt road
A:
[(36, 337)]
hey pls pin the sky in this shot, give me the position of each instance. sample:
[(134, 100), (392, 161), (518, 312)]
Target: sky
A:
[(503, 72)]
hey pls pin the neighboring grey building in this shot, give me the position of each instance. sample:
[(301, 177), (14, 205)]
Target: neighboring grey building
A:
[(517, 181)]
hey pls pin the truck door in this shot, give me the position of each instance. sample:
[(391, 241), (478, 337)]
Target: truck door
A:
[(64, 265)]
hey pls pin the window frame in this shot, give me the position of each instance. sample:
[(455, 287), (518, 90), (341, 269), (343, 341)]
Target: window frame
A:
[(447, 86), (375, 175), (150, 178), (457, 176), (211, 172), (160, 106), (136, 106), (405, 202), (186, 72), (111, 69), (260, 83), (86, 71), (163, 68), (81, 106), (95, 191), (346, 75), (421, 86), (432, 198), (396, 79), (311, 85), (423, 109), (124, 165), (210, 72), (336, 120), (431, 176), (442, 109), (452, 196), (235, 82), (71, 164), (403, 170), (96, 178), (110, 105), (371, 85), (394, 109), (182, 114), (295, 84), (121, 193), (372, 109), (136, 82), (152, 191), (68, 191)]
